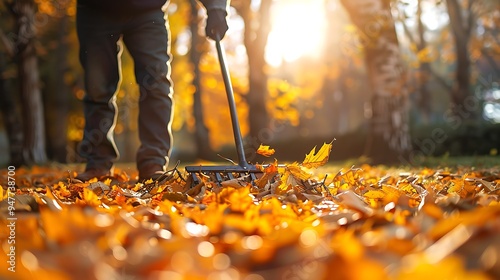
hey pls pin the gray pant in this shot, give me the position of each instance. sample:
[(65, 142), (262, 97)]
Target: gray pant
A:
[(147, 39)]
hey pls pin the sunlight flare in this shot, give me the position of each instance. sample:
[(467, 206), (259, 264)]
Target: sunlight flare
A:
[(298, 29)]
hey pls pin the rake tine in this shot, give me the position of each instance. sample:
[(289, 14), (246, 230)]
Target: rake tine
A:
[(218, 177)]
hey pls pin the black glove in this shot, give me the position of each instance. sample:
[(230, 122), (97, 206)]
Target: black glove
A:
[(216, 23)]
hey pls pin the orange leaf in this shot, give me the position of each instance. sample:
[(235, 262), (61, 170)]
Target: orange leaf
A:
[(265, 151), (269, 173)]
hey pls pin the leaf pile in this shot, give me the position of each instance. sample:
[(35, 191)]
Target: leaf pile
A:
[(298, 221)]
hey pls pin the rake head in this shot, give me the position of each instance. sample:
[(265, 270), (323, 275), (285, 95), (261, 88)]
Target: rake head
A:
[(221, 173)]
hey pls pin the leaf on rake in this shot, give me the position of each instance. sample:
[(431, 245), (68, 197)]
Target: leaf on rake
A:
[(194, 191), (200, 195), (178, 187), (270, 175), (286, 183), (272, 185), (239, 182), (299, 172)]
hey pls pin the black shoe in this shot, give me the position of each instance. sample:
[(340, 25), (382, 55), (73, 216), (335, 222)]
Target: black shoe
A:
[(92, 173)]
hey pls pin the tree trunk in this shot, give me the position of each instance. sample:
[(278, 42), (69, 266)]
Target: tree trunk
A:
[(330, 91), (255, 40), (389, 128), (12, 120), (28, 77), (58, 97), (201, 134), (425, 69), (461, 34)]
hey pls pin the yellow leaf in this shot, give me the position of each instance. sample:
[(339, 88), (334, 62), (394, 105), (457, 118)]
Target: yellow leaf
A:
[(407, 188), (265, 151), (374, 194), (299, 172), (107, 182), (91, 198), (314, 159), (3, 193), (426, 55), (284, 186), (391, 194)]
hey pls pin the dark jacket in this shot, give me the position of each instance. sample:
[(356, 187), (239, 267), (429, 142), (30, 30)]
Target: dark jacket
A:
[(135, 6)]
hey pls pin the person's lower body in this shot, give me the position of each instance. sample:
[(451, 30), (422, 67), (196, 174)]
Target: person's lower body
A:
[(146, 37)]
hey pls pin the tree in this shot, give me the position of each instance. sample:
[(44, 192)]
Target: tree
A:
[(461, 28), (424, 55), (337, 103), (23, 49), (257, 28), (28, 77), (54, 70), (463, 17), (11, 118), (488, 43), (425, 67), (389, 128), (201, 133)]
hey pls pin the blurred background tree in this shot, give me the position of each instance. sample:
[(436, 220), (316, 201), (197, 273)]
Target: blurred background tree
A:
[(20, 44), (389, 135), (385, 78)]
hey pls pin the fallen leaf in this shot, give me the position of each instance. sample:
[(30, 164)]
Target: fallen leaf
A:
[(265, 151)]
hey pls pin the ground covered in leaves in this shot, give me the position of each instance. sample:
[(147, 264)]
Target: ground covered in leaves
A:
[(297, 221)]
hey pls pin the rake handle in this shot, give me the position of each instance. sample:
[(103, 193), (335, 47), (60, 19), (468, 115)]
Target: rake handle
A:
[(242, 162)]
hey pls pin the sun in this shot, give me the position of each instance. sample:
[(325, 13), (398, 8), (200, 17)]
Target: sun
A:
[(298, 29)]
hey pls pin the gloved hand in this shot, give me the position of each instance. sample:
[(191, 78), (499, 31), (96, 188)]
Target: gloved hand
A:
[(216, 23)]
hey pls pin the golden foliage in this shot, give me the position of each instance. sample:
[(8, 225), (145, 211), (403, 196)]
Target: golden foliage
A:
[(350, 225)]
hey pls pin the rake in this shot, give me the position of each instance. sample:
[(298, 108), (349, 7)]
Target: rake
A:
[(242, 170)]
